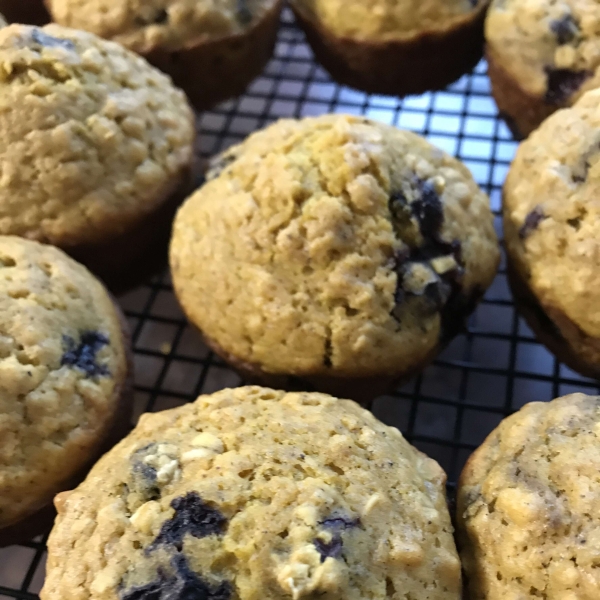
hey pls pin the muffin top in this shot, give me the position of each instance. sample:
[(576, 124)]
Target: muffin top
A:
[(552, 212), (62, 367), (254, 493), (143, 25), (91, 136), (332, 244), (551, 48), (529, 505), (389, 19)]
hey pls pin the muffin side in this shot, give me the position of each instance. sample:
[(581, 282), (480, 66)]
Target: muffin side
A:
[(66, 368), (256, 493)]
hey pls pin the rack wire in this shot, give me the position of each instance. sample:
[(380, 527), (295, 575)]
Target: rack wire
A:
[(448, 410)]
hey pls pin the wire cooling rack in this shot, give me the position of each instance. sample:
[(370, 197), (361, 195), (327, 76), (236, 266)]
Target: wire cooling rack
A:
[(447, 411)]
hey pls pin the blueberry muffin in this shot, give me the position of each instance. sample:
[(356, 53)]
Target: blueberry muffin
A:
[(25, 11), (529, 505), (399, 48), (551, 219), (255, 493), (212, 50), (65, 393), (542, 55), (96, 148), (332, 252)]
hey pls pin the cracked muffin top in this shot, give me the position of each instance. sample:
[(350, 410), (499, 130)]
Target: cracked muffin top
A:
[(143, 25), (62, 368), (552, 209), (333, 245), (254, 493), (384, 19), (529, 505), (92, 137), (550, 47)]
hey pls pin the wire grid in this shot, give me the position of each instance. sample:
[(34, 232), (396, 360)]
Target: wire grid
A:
[(447, 411)]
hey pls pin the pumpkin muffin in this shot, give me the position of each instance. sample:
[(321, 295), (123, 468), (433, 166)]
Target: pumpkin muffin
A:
[(529, 505), (212, 50), (398, 48), (254, 493), (333, 252), (65, 389), (542, 56), (551, 227), (96, 149)]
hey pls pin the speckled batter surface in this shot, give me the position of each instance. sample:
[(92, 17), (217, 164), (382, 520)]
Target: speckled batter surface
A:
[(333, 245), (551, 217), (254, 494), (550, 48), (529, 505), (91, 137), (381, 20), (62, 367), (170, 24)]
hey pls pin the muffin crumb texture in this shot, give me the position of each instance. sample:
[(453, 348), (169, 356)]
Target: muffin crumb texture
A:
[(62, 364), (254, 493), (333, 245), (92, 137), (529, 505)]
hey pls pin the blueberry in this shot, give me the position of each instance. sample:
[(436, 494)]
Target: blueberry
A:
[(193, 516), (180, 583), (336, 524), (565, 29), (82, 355), (43, 39), (331, 549), (428, 210), (562, 83), (143, 476), (244, 14), (532, 221)]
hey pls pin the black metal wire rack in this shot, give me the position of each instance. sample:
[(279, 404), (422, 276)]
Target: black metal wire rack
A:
[(484, 375)]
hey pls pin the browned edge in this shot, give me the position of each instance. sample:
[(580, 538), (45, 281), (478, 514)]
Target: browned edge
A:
[(211, 71), (546, 328), (523, 112), (32, 12), (429, 61), (116, 428)]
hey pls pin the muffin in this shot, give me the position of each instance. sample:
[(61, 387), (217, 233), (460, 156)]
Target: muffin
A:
[(212, 50), (255, 493), (332, 253), (542, 55), (551, 221), (65, 393), (529, 505), (398, 48), (95, 152), (25, 11)]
